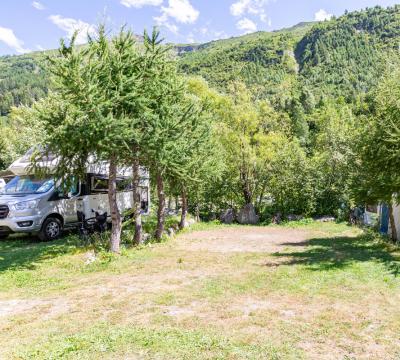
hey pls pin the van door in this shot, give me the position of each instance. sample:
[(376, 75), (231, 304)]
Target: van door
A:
[(73, 203), (97, 200)]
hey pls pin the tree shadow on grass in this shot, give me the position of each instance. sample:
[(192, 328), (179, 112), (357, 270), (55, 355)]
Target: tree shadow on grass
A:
[(330, 253), (26, 253)]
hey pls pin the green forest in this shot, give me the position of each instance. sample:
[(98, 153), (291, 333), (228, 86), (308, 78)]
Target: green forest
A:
[(303, 121)]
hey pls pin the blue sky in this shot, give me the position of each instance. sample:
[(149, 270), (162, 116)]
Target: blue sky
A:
[(28, 25)]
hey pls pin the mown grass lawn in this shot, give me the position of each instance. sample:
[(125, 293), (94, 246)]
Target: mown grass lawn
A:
[(314, 291)]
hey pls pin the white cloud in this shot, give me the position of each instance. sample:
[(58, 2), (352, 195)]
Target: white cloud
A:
[(70, 25), (238, 8), (246, 25), (181, 11), (322, 15), (251, 7), (162, 21), (140, 3), (38, 6), (8, 37)]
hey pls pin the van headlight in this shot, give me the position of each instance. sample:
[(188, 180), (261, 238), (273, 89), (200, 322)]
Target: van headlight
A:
[(25, 205)]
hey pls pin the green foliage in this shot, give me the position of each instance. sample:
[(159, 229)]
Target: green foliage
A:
[(377, 176), (18, 132), (290, 181), (88, 114), (331, 161)]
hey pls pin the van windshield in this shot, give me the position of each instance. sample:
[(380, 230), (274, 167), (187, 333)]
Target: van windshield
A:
[(26, 185)]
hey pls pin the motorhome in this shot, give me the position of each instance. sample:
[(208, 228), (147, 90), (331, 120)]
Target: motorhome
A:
[(42, 207)]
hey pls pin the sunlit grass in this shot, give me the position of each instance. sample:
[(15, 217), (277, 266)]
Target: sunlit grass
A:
[(335, 291)]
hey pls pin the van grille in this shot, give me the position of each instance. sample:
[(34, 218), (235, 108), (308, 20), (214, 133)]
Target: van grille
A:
[(4, 210)]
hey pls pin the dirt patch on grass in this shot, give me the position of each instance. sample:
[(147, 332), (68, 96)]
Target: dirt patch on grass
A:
[(243, 239), (10, 307), (47, 307)]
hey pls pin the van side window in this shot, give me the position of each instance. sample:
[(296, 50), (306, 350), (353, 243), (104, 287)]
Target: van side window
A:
[(61, 192), (99, 184), (124, 184)]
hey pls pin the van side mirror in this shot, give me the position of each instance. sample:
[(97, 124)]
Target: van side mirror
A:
[(58, 195), (63, 196)]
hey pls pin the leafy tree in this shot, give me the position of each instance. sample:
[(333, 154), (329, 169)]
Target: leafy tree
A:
[(289, 182), (147, 71), (378, 162), (168, 118), (199, 160), (241, 125), (19, 132), (91, 111), (332, 156)]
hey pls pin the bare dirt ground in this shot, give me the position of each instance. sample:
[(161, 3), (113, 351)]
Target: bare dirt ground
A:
[(243, 239)]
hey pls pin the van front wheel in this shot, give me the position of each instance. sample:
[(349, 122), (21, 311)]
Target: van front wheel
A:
[(51, 229)]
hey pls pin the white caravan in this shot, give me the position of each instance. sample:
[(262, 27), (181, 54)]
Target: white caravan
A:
[(40, 206)]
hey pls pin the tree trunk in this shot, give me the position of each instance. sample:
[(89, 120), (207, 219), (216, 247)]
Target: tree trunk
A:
[(161, 207), (392, 223), (116, 219), (246, 189), (137, 213), (182, 224), (197, 212)]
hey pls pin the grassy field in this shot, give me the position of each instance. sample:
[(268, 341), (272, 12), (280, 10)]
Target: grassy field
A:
[(313, 291)]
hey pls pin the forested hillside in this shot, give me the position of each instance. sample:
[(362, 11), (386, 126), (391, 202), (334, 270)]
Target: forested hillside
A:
[(341, 57), (264, 61), (345, 57), (22, 80)]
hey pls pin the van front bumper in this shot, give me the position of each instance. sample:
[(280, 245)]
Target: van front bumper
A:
[(25, 224)]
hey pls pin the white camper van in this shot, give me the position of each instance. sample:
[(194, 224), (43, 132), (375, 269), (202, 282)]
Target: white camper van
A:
[(41, 207)]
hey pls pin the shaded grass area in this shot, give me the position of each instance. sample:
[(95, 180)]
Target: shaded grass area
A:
[(31, 268), (329, 253), (34, 267), (27, 253), (323, 266)]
